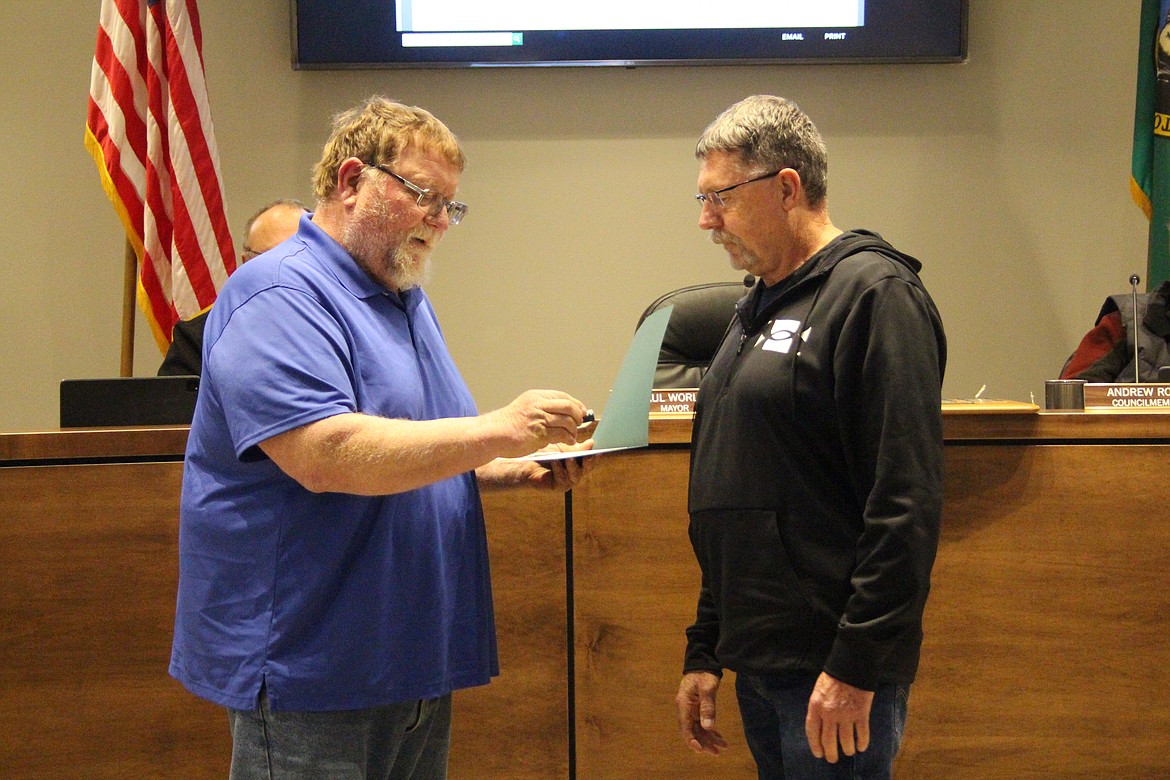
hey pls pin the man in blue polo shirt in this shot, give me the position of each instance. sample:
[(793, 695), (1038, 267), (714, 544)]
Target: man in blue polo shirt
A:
[(333, 585)]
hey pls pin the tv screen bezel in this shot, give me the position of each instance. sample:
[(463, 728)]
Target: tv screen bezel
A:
[(361, 44)]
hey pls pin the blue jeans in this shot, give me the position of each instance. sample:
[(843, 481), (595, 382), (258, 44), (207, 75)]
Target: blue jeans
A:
[(407, 741), (773, 709)]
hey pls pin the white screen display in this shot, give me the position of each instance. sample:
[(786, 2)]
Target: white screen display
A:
[(516, 15)]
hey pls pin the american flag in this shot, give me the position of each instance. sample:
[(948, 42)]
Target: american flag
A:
[(150, 132)]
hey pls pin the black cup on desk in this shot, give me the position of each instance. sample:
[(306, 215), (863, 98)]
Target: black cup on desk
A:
[(1064, 394)]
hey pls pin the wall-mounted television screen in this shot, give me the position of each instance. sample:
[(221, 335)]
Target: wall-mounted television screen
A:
[(625, 33)]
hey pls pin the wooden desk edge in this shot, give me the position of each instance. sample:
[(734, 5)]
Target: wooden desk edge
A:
[(1001, 426), (170, 441), (165, 441)]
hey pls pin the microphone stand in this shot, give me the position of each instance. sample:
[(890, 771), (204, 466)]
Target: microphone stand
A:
[(1137, 370)]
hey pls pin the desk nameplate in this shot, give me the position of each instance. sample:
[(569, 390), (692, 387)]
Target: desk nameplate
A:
[(1127, 397), (673, 402)]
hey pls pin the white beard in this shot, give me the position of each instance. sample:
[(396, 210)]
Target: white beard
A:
[(746, 261), (399, 264)]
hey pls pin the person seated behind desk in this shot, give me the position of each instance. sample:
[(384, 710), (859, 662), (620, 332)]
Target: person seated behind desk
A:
[(268, 227), (1105, 354)]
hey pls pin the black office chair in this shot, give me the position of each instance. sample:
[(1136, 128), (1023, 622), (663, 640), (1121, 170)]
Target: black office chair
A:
[(701, 315)]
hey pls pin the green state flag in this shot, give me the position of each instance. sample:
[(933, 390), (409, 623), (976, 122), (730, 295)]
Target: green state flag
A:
[(1150, 181)]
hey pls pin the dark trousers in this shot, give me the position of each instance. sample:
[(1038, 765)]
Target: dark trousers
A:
[(774, 709), (407, 741)]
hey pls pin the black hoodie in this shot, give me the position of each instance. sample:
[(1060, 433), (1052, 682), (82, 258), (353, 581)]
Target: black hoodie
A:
[(816, 473)]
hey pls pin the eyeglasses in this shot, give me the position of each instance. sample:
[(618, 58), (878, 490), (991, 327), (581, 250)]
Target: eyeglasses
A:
[(428, 200), (716, 200)]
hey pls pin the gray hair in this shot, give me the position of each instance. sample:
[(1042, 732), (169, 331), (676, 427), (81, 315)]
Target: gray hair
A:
[(771, 133)]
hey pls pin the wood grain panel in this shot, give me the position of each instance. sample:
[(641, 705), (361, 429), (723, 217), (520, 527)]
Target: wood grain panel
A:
[(517, 727), (1046, 650), (108, 443), (636, 584), (86, 615)]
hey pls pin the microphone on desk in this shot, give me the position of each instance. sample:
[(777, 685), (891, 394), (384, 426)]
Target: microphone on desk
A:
[(1135, 327)]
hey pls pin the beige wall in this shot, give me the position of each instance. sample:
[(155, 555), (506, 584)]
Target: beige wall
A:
[(1007, 176)]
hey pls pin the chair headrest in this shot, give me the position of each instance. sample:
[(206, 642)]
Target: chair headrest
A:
[(701, 315)]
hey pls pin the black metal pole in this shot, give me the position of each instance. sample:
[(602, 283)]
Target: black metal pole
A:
[(570, 634)]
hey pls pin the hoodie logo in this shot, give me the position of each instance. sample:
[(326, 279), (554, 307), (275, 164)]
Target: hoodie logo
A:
[(783, 334)]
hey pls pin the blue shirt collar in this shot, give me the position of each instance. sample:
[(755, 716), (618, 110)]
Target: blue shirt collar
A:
[(339, 261)]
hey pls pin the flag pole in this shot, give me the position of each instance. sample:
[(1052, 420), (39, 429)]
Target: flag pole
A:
[(129, 288)]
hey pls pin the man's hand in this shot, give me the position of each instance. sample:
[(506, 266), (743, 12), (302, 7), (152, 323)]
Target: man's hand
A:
[(563, 475), (536, 419), (837, 713), (554, 475), (696, 712)]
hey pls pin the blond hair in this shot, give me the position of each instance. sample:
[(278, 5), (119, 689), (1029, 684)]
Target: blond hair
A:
[(376, 132)]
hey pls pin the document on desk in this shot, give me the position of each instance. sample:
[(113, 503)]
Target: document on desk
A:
[(625, 424)]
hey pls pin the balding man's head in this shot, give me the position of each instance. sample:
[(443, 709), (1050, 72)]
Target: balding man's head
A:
[(271, 225)]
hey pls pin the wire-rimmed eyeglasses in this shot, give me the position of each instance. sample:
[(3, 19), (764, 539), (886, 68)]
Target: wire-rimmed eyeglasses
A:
[(428, 200), (716, 200)]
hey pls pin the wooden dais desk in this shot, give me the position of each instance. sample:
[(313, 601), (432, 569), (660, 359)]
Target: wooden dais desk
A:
[(1046, 650), (88, 540)]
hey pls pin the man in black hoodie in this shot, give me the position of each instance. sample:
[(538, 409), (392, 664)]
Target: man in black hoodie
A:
[(816, 465)]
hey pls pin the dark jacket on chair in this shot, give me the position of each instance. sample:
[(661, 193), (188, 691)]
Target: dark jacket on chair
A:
[(1105, 354)]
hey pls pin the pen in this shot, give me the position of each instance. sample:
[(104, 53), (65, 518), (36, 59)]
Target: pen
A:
[(589, 418)]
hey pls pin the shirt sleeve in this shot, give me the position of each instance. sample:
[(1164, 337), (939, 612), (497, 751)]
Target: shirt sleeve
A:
[(703, 637), (889, 375), (281, 360)]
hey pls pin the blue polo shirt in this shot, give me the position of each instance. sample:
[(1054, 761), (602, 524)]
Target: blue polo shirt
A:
[(332, 601)]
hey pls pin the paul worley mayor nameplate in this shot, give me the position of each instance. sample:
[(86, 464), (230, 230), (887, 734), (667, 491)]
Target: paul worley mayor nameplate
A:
[(679, 401)]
